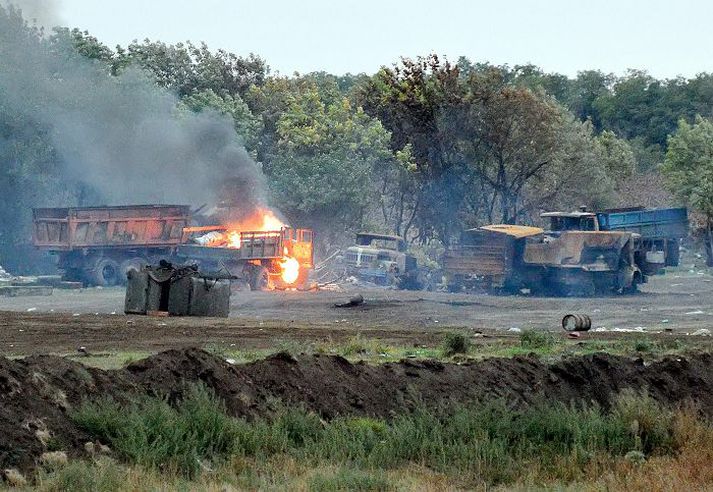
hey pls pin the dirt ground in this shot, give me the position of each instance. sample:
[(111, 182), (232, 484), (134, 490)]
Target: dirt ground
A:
[(681, 302)]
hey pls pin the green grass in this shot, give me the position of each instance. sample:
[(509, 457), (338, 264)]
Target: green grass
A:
[(540, 343), (151, 433), (350, 479), (110, 360), (538, 340), (486, 444)]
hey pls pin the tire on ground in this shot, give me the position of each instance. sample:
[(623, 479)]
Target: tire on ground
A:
[(105, 273)]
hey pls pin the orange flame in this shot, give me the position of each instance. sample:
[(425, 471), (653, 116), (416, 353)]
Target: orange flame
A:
[(234, 239), (290, 270), (261, 220)]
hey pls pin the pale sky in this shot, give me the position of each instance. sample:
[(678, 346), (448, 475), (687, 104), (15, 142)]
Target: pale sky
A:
[(667, 38)]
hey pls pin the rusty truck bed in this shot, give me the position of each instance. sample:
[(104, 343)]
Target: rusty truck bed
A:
[(64, 229)]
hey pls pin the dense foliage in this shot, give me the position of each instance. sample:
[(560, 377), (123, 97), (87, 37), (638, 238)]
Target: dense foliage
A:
[(423, 149)]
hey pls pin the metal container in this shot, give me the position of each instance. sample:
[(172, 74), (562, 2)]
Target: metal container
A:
[(576, 322), (209, 297)]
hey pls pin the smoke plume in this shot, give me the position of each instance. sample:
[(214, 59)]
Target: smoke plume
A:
[(43, 13), (120, 135)]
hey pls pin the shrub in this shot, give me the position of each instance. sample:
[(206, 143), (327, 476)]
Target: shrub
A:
[(455, 343), (534, 339), (643, 345), (485, 444)]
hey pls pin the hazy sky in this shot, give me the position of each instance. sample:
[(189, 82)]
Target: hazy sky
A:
[(667, 38)]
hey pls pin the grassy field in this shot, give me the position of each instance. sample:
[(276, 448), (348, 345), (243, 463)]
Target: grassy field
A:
[(195, 445), (636, 445), (457, 346)]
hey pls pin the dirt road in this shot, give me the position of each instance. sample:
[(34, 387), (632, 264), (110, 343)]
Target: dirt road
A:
[(682, 302)]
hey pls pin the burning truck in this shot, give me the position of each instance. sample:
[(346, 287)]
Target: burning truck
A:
[(99, 245)]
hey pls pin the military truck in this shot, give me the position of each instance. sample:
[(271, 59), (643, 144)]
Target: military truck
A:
[(659, 230), (583, 253), (383, 260), (100, 245), (508, 258)]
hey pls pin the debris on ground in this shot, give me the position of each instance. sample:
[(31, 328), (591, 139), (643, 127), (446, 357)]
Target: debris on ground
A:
[(703, 332), (41, 285), (354, 301)]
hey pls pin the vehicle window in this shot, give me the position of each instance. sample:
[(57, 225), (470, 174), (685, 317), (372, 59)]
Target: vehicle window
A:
[(588, 224), (377, 243)]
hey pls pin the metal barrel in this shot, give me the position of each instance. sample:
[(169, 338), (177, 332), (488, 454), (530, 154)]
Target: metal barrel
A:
[(576, 322)]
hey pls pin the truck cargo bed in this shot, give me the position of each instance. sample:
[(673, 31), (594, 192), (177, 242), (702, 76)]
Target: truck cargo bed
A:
[(648, 223), (64, 229)]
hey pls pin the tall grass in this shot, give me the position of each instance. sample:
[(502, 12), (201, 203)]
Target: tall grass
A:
[(481, 445), (537, 340), (152, 433)]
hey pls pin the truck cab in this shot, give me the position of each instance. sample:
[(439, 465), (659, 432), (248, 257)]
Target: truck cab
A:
[(380, 258), (658, 231), (571, 221)]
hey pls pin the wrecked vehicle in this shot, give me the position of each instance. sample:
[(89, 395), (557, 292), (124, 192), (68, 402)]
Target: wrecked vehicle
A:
[(659, 230), (100, 245), (583, 253), (383, 260), (265, 260), (509, 258)]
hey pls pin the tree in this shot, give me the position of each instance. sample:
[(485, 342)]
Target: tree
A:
[(688, 167), (617, 156), (422, 103), (482, 146), (321, 173), (185, 68), (586, 89)]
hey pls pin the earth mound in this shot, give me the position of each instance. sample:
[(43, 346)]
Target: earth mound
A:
[(37, 393)]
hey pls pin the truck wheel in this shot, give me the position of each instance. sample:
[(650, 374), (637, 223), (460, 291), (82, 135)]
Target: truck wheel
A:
[(132, 263), (260, 279), (105, 273)]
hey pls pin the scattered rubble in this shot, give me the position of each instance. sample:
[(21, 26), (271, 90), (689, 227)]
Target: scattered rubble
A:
[(41, 285), (354, 301)]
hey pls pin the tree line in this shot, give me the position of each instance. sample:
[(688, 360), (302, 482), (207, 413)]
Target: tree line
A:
[(424, 148)]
